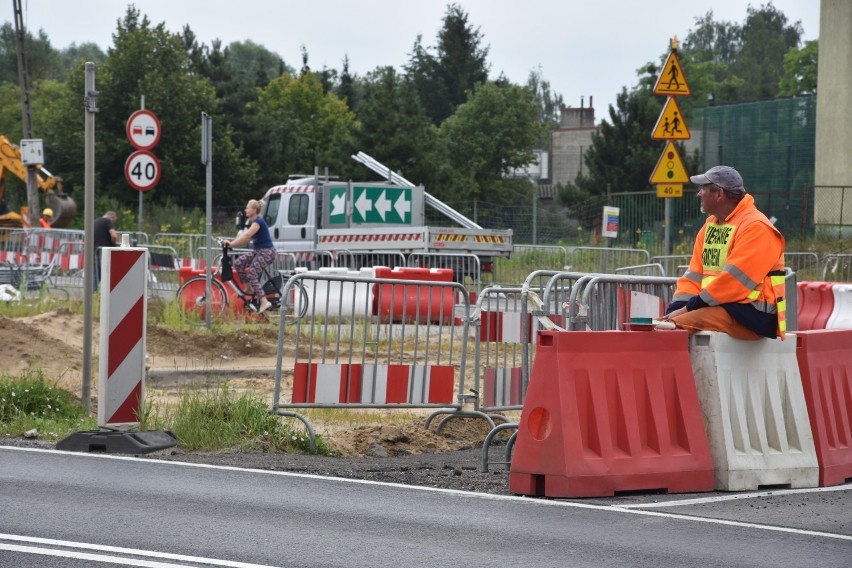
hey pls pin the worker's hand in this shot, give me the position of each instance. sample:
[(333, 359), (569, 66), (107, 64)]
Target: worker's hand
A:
[(674, 313)]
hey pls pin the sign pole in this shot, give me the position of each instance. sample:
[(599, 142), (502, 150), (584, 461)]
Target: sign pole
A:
[(141, 193), (91, 106), (207, 160), (670, 174)]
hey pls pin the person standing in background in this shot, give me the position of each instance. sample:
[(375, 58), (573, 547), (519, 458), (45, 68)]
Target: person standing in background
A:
[(44, 220), (105, 235)]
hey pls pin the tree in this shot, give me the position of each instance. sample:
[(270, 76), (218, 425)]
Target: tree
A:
[(800, 70), (86, 51), (496, 130), (394, 128), (738, 62), (766, 38), (443, 80), (303, 128), (622, 156), (42, 59), (549, 104), (148, 60)]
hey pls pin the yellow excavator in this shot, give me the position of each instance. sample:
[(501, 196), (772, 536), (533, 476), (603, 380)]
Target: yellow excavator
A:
[(63, 207)]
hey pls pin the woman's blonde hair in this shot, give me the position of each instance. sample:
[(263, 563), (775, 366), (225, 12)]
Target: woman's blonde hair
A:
[(256, 204)]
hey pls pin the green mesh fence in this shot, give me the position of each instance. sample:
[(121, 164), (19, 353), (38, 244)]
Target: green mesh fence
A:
[(771, 143)]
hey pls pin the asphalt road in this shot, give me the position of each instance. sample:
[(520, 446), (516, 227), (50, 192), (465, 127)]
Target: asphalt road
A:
[(66, 509)]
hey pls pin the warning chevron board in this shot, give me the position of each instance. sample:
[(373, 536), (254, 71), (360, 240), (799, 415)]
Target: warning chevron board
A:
[(672, 80), (669, 169), (671, 125)]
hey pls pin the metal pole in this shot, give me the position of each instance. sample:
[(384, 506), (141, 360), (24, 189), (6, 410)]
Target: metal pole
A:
[(141, 193), (534, 214), (207, 160), (90, 98), (667, 227)]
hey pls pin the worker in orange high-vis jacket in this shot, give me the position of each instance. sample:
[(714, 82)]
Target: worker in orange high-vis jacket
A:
[(735, 280)]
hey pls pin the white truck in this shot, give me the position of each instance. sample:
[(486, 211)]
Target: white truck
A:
[(358, 218)]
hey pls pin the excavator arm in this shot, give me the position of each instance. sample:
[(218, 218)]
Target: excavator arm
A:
[(64, 208)]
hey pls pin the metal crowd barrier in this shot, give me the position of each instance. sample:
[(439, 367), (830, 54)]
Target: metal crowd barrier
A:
[(528, 258), (605, 259), (600, 302), (358, 260), (364, 342), (837, 268), (466, 267), (673, 265), (806, 264)]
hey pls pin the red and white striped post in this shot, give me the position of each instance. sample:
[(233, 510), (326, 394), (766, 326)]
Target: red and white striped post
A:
[(121, 369)]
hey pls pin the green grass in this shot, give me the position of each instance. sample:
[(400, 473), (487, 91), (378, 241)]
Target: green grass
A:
[(29, 402), (208, 421), (218, 420)]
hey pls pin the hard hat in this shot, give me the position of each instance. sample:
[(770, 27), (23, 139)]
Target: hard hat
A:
[(48, 212)]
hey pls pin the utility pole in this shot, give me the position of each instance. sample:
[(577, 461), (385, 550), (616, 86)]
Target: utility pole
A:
[(26, 111)]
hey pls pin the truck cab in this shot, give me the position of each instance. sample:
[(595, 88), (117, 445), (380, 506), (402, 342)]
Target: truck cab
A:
[(290, 210)]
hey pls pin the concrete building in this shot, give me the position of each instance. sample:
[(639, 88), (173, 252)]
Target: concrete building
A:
[(569, 142), (833, 175)]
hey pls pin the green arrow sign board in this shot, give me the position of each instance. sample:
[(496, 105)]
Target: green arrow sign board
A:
[(337, 206), (381, 205)]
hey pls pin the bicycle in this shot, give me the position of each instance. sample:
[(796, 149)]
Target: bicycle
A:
[(34, 281), (230, 293)]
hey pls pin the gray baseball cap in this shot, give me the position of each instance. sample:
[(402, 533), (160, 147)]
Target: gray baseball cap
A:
[(725, 177)]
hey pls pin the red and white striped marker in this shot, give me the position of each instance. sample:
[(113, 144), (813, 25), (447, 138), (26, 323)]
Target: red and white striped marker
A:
[(333, 383), (121, 370)]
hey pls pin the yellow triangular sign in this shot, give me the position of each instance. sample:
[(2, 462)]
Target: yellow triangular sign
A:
[(671, 125), (671, 80), (669, 168)]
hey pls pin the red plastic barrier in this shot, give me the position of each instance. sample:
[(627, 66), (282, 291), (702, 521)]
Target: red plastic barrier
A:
[(611, 411), (816, 302), (825, 363), (187, 272), (414, 303)]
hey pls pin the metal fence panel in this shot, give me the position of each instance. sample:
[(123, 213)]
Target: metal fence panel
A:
[(373, 343)]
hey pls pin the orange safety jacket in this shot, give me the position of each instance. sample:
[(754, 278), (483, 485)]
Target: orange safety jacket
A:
[(738, 260), (45, 224)]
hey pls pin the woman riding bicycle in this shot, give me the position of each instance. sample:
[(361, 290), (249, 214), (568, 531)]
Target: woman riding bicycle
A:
[(250, 265)]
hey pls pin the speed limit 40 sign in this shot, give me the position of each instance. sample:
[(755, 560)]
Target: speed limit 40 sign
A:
[(142, 170)]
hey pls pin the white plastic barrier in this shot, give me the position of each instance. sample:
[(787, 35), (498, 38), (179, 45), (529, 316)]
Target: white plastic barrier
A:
[(841, 315), (335, 299), (754, 409)]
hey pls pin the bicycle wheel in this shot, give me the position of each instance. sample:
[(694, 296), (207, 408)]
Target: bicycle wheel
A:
[(192, 299), (294, 305)]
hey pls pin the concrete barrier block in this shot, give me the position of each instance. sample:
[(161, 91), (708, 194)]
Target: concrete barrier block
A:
[(754, 411)]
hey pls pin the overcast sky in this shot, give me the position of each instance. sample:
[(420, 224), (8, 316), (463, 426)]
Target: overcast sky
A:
[(583, 48)]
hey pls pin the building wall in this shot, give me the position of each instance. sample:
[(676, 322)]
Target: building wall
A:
[(569, 142), (834, 109)]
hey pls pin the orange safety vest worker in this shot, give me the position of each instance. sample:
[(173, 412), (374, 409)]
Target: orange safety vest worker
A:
[(738, 260), (44, 220)]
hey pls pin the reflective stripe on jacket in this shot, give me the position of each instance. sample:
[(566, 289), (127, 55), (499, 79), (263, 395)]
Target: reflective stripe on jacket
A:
[(738, 260)]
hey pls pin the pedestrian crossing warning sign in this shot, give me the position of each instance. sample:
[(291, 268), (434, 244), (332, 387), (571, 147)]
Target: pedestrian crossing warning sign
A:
[(672, 80), (670, 125), (669, 168)]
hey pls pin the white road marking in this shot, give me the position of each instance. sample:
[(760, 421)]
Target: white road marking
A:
[(456, 492), (79, 546), (738, 496)]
